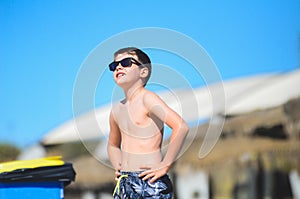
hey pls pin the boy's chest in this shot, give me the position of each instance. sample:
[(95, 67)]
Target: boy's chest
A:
[(133, 115)]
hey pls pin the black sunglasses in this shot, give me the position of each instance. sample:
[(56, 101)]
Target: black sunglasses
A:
[(126, 62)]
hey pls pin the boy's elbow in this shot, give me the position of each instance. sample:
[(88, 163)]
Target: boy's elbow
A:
[(184, 128), (113, 145)]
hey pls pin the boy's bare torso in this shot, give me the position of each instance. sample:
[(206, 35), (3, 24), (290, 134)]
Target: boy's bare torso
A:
[(141, 134)]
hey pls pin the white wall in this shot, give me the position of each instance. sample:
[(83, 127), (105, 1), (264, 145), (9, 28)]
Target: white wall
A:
[(191, 182)]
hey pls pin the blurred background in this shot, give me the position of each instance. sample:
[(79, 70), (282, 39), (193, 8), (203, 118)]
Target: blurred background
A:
[(255, 46)]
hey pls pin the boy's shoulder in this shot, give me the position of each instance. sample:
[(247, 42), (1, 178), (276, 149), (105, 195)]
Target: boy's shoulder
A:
[(115, 110), (151, 98), (149, 95), (118, 104)]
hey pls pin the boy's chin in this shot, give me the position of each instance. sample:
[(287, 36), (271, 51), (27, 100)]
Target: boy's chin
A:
[(122, 83)]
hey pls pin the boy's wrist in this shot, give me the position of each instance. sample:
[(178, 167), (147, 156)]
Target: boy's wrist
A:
[(167, 165)]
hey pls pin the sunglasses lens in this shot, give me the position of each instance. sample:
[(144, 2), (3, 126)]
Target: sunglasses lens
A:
[(113, 66), (126, 62)]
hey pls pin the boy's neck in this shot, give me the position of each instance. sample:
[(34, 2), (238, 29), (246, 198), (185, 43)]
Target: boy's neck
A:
[(132, 92)]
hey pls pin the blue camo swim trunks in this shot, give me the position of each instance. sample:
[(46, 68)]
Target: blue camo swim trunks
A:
[(131, 186)]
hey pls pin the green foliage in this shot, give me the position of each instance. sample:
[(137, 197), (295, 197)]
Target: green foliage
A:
[(8, 152)]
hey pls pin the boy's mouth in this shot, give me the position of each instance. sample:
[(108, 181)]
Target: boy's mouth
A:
[(120, 74)]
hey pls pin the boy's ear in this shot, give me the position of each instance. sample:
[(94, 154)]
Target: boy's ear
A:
[(144, 72)]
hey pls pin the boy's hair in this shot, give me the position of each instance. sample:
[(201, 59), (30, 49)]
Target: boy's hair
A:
[(142, 57)]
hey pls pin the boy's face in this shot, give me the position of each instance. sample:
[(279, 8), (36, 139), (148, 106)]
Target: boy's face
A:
[(123, 75)]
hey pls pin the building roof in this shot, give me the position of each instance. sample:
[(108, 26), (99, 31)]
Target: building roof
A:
[(233, 97)]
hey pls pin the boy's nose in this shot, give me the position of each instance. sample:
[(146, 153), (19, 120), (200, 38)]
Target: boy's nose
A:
[(119, 66)]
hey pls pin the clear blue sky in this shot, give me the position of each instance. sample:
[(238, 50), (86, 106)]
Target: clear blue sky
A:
[(44, 43)]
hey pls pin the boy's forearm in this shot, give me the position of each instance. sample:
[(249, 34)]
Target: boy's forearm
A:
[(115, 155), (175, 145)]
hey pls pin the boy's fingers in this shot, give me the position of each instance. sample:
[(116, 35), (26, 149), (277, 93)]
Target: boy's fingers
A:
[(148, 176), (144, 173), (153, 179), (117, 173)]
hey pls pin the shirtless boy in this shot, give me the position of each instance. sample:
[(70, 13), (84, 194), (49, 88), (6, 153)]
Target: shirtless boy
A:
[(136, 131)]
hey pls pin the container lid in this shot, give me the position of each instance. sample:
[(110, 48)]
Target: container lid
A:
[(39, 170), (22, 164)]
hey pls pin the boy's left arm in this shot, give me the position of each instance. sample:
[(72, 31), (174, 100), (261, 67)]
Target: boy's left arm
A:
[(114, 145), (179, 131)]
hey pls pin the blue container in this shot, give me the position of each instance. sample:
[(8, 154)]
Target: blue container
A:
[(36, 183), (32, 190)]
